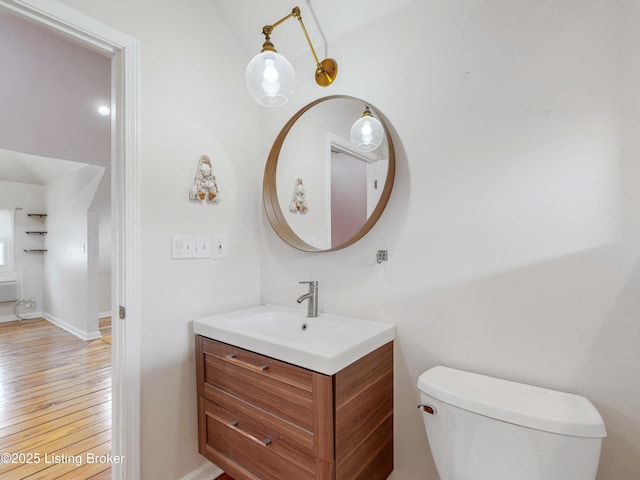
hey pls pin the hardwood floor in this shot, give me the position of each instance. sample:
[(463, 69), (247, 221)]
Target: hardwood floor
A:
[(55, 403)]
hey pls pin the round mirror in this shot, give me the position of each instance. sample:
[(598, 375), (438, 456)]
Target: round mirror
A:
[(321, 191)]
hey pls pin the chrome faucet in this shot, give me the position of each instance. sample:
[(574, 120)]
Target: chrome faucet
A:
[(312, 296)]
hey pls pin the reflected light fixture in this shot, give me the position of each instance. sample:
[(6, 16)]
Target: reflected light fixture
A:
[(367, 132), (270, 77)]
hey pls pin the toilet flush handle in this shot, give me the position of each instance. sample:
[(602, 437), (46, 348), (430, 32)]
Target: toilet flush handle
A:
[(428, 408)]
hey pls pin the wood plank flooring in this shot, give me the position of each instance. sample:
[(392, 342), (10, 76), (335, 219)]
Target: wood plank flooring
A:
[(55, 403)]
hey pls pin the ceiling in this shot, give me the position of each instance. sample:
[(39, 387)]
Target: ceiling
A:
[(328, 19), (25, 168), (49, 92)]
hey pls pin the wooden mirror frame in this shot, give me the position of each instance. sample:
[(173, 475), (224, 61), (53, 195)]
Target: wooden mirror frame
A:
[(270, 195)]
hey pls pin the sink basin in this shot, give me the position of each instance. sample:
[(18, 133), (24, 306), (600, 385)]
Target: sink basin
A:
[(325, 344)]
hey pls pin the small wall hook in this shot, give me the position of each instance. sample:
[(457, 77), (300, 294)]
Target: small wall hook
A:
[(382, 256)]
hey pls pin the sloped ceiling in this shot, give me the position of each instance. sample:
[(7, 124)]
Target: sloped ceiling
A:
[(329, 19), (50, 89), (24, 168)]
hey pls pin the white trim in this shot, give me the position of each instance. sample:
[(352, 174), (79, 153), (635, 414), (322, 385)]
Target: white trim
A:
[(125, 278), (25, 316), (206, 472), (104, 314), (77, 26), (349, 148), (124, 53), (82, 335)]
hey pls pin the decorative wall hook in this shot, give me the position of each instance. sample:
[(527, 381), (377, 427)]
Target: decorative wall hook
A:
[(382, 256), (298, 202), (204, 184)]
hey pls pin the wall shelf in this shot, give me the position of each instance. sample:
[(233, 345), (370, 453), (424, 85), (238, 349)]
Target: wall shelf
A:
[(40, 233)]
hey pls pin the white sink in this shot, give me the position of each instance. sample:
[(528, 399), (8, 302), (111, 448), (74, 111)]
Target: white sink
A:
[(325, 344)]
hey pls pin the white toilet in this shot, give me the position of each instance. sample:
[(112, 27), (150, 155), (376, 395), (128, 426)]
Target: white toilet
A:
[(484, 428)]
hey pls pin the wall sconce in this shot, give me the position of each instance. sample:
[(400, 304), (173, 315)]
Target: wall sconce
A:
[(270, 77), (367, 132)]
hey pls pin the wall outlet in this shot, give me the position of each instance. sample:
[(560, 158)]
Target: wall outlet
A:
[(220, 246)]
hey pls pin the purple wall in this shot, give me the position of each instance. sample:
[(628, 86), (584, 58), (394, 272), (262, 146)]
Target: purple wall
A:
[(50, 89), (348, 197)]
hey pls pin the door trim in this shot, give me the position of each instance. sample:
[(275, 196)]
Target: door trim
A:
[(125, 274)]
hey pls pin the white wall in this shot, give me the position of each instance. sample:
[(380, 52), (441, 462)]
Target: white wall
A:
[(72, 248), (101, 209), (193, 102), (66, 200), (31, 199), (512, 230), (513, 226)]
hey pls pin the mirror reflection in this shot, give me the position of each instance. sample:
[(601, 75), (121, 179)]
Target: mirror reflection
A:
[(321, 192)]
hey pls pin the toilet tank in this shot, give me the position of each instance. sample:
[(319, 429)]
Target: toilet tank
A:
[(484, 428)]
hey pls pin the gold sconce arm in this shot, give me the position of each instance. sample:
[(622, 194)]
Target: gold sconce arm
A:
[(326, 71)]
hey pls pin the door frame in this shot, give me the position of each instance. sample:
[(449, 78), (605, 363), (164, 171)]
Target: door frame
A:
[(125, 272)]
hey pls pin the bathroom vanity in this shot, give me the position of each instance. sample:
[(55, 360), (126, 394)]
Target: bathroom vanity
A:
[(264, 418)]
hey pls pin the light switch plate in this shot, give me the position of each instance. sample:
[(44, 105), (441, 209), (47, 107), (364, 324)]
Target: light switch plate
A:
[(191, 246), (203, 246), (178, 246)]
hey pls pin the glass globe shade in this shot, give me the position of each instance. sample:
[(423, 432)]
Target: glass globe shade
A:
[(270, 79), (367, 133)]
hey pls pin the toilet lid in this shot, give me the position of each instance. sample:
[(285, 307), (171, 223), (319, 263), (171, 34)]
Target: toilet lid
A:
[(517, 403)]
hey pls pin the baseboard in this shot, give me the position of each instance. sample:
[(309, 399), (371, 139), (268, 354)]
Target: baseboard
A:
[(26, 316), (206, 472), (104, 314), (71, 329), (57, 322)]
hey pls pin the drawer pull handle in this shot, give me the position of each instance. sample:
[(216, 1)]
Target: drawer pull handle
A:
[(256, 368), (266, 442)]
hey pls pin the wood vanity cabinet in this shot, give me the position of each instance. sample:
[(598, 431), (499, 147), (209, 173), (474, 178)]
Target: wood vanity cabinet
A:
[(263, 419)]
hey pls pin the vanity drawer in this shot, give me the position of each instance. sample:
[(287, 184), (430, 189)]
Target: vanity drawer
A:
[(298, 442), (267, 447), (263, 419), (279, 388)]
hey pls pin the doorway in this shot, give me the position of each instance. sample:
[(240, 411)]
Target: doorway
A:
[(348, 195), (123, 52)]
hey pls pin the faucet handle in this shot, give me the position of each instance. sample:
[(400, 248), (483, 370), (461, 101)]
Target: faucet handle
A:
[(312, 283)]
